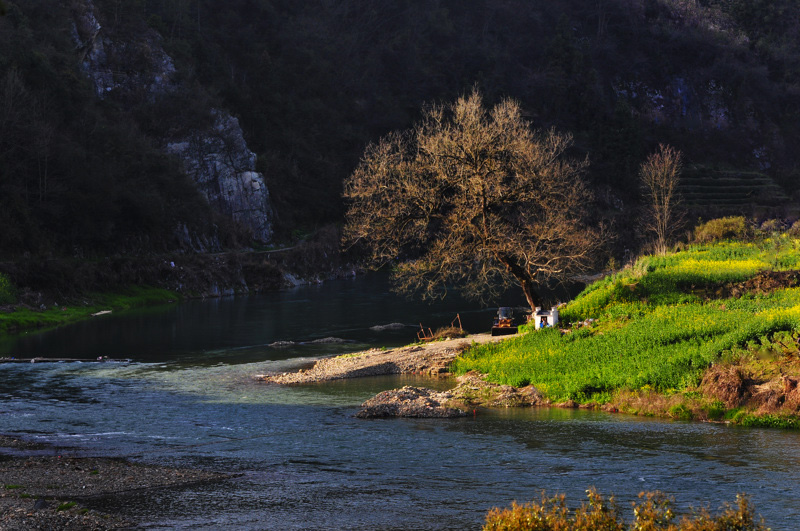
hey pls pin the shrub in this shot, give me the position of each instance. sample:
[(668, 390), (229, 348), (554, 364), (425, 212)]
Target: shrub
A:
[(680, 412), (716, 410), (721, 229), (8, 293), (553, 514), (769, 421), (652, 513), (771, 226)]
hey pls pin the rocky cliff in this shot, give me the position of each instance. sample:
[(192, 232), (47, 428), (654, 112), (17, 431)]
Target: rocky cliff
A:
[(219, 161), (134, 67)]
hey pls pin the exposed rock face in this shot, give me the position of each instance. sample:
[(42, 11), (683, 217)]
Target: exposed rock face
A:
[(217, 157), (224, 169), (121, 68)]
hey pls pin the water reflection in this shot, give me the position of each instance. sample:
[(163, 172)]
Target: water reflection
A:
[(241, 329), (306, 462)]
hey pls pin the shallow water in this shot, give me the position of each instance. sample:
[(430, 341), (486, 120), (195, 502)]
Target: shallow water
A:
[(188, 399)]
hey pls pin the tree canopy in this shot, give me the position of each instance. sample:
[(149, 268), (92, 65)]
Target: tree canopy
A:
[(472, 197)]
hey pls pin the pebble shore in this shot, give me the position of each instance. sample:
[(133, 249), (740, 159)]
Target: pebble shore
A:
[(40, 491)]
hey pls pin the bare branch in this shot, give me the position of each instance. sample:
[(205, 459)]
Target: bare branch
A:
[(474, 198), (660, 176)]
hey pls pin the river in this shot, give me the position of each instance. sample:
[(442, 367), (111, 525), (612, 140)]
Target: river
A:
[(187, 398)]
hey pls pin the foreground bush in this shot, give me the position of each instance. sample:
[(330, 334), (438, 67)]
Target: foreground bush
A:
[(654, 512)]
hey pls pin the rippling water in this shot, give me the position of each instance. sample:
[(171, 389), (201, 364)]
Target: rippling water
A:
[(305, 462)]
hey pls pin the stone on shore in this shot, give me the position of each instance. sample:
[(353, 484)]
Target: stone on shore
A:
[(412, 402)]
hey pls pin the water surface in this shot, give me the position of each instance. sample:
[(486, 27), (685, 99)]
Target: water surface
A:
[(187, 398)]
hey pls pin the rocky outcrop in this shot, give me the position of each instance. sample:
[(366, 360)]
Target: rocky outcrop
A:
[(121, 68), (216, 157), (414, 402), (222, 166), (472, 391)]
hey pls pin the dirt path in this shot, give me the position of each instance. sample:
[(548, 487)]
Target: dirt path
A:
[(428, 358)]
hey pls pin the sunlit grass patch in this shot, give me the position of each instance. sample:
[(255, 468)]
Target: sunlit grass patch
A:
[(69, 312), (649, 329)]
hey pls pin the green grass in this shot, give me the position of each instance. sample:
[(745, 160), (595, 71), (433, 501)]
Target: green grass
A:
[(651, 331), (132, 297)]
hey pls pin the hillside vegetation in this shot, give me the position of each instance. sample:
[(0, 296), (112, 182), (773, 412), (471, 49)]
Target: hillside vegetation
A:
[(705, 332), (312, 83)]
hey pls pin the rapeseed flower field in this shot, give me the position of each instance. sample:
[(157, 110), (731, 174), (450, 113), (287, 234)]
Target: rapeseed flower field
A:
[(657, 325)]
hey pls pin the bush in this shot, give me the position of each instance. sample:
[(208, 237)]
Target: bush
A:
[(721, 229), (716, 410), (8, 293), (553, 514), (653, 512)]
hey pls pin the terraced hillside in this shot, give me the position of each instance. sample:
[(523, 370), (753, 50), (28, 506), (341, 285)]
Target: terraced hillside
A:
[(728, 192)]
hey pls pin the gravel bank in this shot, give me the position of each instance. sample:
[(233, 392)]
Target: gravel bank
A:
[(471, 392), (414, 402), (47, 491), (428, 358)]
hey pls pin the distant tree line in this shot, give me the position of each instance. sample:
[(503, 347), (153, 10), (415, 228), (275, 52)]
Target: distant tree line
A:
[(314, 82)]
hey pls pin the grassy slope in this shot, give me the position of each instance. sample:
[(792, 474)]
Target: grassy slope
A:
[(18, 318), (649, 334)]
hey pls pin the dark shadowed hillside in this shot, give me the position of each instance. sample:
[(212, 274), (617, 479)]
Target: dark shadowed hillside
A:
[(312, 83)]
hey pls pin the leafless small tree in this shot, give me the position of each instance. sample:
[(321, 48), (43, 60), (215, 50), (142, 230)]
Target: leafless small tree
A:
[(660, 176), (473, 198)]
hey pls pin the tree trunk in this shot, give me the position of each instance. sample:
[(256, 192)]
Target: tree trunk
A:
[(530, 294), (525, 280)]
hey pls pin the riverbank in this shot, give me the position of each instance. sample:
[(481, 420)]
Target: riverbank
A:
[(31, 311), (45, 487), (39, 293), (710, 333), (431, 358)]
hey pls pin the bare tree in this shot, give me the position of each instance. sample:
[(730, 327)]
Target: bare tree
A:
[(473, 198), (660, 175)]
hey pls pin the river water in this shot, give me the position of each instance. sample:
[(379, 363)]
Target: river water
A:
[(187, 398)]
